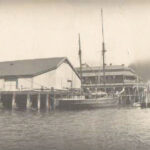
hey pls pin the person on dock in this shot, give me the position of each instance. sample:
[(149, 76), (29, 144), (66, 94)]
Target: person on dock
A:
[(52, 99)]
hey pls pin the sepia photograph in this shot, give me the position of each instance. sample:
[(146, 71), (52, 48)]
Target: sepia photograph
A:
[(74, 74)]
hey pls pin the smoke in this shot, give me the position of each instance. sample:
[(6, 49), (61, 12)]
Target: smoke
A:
[(142, 68)]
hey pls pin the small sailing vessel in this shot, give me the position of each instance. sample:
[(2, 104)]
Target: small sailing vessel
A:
[(96, 99), (104, 102)]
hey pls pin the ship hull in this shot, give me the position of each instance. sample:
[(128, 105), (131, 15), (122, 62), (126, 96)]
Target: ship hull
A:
[(88, 103)]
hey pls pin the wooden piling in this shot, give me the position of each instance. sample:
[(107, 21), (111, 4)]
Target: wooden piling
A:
[(47, 102), (21, 100), (14, 101), (7, 100), (28, 105), (39, 101), (34, 99)]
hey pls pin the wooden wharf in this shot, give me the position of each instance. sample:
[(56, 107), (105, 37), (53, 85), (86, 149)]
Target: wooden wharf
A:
[(36, 99)]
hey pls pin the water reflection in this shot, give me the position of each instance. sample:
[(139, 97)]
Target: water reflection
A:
[(101, 129)]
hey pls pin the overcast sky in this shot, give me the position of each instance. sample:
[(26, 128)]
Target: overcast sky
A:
[(49, 28)]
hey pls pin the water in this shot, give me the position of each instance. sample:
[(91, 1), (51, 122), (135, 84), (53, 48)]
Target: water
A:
[(101, 129)]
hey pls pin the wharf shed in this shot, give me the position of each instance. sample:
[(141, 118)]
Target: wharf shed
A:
[(41, 73)]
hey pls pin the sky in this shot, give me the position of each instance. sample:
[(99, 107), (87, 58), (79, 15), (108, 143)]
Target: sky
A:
[(49, 28)]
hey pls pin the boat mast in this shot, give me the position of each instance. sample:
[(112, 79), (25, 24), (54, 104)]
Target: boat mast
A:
[(80, 59), (103, 50)]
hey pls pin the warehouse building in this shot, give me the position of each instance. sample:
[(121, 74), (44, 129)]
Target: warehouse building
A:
[(38, 74)]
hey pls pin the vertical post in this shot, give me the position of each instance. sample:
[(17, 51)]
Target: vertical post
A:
[(146, 98), (52, 99), (47, 102), (0, 98), (28, 105), (121, 100), (80, 59), (129, 95), (39, 101), (14, 101), (133, 96), (103, 51)]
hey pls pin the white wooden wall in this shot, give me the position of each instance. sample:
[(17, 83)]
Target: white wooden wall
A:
[(2, 84), (46, 80), (25, 83), (65, 73), (57, 78)]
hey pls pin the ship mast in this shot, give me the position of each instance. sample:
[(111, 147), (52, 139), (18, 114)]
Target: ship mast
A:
[(103, 51), (80, 59)]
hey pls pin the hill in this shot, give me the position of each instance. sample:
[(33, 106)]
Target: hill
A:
[(142, 68)]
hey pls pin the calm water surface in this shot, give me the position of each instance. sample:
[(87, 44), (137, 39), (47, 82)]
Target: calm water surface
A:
[(101, 129)]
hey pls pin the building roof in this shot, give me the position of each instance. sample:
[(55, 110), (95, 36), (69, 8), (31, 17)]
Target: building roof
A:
[(109, 70), (90, 74), (31, 67)]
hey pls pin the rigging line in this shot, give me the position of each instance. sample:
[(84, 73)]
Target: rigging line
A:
[(103, 49), (102, 25), (80, 59)]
